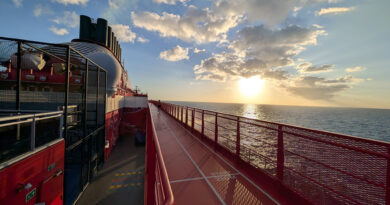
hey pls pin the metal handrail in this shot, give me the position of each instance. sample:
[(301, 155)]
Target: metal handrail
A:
[(163, 170), (326, 164), (155, 163)]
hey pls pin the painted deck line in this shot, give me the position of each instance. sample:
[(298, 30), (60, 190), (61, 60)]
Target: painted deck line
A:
[(231, 166), (201, 178), (196, 165)]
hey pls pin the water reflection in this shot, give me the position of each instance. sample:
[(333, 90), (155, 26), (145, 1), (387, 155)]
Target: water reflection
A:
[(249, 111)]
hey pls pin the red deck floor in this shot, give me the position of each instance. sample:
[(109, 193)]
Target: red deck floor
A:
[(197, 174)]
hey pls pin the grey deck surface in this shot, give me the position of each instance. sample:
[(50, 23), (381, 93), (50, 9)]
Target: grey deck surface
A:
[(121, 180)]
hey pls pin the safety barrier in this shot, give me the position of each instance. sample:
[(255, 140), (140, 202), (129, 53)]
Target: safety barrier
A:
[(319, 166), (157, 187)]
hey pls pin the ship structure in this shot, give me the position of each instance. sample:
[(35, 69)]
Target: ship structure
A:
[(74, 131)]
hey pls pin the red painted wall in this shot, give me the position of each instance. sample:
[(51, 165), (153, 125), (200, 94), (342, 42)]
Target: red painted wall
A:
[(43, 170)]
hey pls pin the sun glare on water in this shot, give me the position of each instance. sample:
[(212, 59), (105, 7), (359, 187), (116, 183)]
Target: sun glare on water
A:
[(251, 87)]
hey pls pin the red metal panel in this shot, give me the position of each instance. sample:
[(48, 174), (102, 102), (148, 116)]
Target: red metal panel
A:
[(34, 170)]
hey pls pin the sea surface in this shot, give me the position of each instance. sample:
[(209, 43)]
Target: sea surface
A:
[(360, 122)]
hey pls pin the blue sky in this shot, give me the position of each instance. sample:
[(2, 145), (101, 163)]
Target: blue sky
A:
[(304, 52)]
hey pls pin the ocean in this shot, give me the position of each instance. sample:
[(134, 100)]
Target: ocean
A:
[(360, 122)]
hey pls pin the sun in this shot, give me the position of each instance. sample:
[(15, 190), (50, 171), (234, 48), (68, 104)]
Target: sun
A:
[(251, 87)]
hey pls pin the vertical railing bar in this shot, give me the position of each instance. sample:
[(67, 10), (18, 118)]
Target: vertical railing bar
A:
[(19, 76), (238, 139), (61, 125), (186, 116), (388, 178), (66, 92), (193, 119), (216, 129), (97, 97), (202, 123), (280, 155), (85, 102), (32, 134)]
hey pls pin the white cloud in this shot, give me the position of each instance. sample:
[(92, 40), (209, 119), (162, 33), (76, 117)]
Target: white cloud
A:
[(316, 88), (74, 2), (175, 54), (40, 10), (123, 33), (260, 51), (142, 40), (17, 3), (196, 50), (59, 31), (171, 2), (334, 10), (308, 67), (355, 69), (317, 26), (69, 19), (196, 25)]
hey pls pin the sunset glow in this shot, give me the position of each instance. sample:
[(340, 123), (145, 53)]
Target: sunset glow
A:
[(251, 87)]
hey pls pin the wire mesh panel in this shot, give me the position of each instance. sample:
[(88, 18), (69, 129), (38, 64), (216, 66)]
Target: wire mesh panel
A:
[(8, 74), (42, 77)]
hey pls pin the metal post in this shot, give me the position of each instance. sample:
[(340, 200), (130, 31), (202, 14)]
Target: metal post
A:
[(97, 97), (181, 115), (85, 102), (202, 123), (19, 75), (61, 125), (388, 178), (280, 156), (193, 119), (32, 134), (66, 92), (238, 139), (186, 116), (216, 129)]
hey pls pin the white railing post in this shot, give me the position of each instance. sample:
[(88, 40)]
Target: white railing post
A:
[(32, 134)]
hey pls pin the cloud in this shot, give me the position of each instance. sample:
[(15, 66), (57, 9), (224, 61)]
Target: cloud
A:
[(258, 50), (40, 10), (308, 67), (316, 88), (355, 69), (17, 3), (142, 40), (73, 2), (334, 10), (196, 50), (175, 54), (196, 25), (123, 33), (59, 31), (69, 19), (171, 2)]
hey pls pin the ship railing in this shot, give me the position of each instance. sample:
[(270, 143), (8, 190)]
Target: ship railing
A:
[(21, 132), (157, 187), (320, 167)]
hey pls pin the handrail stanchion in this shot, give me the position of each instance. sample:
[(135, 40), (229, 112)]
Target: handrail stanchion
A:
[(202, 123), (186, 115), (32, 134), (216, 129), (193, 119), (388, 178), (181, 114), (280, 156), (238, 139)]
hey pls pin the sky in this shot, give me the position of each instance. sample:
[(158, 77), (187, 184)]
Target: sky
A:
[(284, 52)]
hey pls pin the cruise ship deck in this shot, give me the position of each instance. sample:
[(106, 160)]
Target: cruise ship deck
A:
[(199, 175)]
